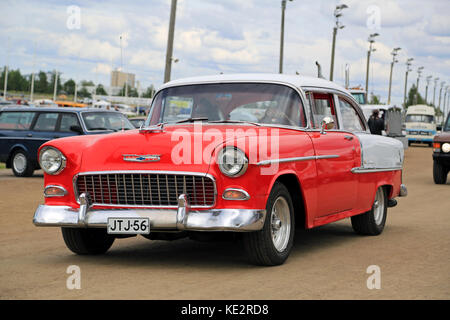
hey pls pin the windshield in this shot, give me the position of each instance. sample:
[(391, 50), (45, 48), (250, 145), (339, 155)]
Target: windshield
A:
[(248, 102), (359, 97), (419, 118), (106, 121), (447, 125)]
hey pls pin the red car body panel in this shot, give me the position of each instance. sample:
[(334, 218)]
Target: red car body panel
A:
[(330, 191)]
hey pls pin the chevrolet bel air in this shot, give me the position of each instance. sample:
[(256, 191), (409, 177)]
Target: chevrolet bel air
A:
[(253, 156)]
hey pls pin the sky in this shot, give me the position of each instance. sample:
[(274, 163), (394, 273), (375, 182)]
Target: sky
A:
[(81, 39)]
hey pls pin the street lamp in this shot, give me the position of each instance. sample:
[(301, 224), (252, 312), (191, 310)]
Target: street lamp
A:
[(394, 60), (426, 90), (445, 101), (371, 41), (283, 9), (408, 69), (337, 14), (168, 69), (419, 73), (440, 92), (434, 94)]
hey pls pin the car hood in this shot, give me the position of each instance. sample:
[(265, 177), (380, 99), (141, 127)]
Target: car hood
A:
[(172, 149), (442, 137)]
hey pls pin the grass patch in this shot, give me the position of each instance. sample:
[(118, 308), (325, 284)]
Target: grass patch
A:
[(2, 165)]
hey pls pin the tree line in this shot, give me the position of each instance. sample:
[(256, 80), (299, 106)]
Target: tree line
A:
[(44, 82)]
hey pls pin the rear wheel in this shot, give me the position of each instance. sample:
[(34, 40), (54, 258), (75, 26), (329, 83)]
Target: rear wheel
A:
[(439, 173), (87, 241), (21, 164), (272, 245), (372, 222)]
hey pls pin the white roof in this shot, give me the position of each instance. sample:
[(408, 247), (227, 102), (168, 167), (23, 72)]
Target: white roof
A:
[(294, 80)]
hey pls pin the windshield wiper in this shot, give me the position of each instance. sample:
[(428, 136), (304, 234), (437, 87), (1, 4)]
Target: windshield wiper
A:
[(106, 129), (192, 119), (235, 121)]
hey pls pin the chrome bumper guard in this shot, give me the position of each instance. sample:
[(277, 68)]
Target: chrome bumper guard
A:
[(403, 191), (183, 218)]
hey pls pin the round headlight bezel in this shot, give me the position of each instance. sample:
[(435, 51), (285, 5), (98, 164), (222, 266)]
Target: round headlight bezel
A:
[(445, 147), (237, 152), (62, 160)]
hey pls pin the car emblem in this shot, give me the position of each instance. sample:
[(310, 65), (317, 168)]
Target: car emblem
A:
[(141, 158)]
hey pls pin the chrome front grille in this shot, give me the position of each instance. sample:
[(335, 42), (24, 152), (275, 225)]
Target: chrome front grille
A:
[(146, 189)]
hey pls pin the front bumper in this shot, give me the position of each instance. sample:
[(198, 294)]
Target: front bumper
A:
[(182, 218)]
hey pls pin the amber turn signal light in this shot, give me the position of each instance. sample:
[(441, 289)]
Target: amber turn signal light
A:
[(54, 191), (235, 194), (436, 146)]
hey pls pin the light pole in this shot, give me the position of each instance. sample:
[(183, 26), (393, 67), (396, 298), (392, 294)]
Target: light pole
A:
[(426, 90), (394, 54), (173, 9), (337, 14), (55, 86), (440, 92), (434, 94), (445, 101), (283, 9), (408, 69), (419, 73), (371, 41)]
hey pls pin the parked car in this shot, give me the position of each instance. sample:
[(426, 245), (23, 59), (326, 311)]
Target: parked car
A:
[(306, 161), (137, 121), (441, 154), (24, 129)]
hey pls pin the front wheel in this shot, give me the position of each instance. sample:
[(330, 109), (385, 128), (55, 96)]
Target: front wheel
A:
[(87, 241), (439, 173), (21, 164), (272, 245), (372, 222)]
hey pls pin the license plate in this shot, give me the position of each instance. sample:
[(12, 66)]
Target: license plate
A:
[(128, 226)]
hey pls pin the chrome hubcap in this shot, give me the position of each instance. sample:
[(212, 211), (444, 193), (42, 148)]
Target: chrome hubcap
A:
[(280, 224), (378, 206), (19, 162)]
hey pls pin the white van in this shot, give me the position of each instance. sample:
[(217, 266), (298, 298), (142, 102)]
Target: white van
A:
[(420, 124)]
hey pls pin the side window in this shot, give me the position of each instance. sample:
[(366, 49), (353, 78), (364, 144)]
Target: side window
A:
[(68, 120), (46, 121), (350, 118), (321, 106), (16, 120)]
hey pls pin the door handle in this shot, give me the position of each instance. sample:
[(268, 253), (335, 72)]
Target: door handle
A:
[(349, 138), (29, 135)]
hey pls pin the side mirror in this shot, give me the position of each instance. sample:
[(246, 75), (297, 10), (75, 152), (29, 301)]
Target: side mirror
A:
[(76, 129), (327, 124)]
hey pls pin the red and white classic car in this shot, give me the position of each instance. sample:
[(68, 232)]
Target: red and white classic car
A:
[(255, 155)]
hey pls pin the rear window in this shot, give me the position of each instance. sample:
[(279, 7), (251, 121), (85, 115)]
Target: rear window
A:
[(46, 122), (16, 120)]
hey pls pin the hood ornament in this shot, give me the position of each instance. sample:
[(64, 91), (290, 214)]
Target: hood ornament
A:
[(141, 158)]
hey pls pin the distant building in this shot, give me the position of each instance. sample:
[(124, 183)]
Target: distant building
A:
[(119, 78)]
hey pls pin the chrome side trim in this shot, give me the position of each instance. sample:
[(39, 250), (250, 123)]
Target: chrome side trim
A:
[(295, 159), (369, 170), (55, 186), (198, 174)]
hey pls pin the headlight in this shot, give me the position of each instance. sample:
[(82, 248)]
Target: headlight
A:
[(232, 162), (51, 160), (445, 147)]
